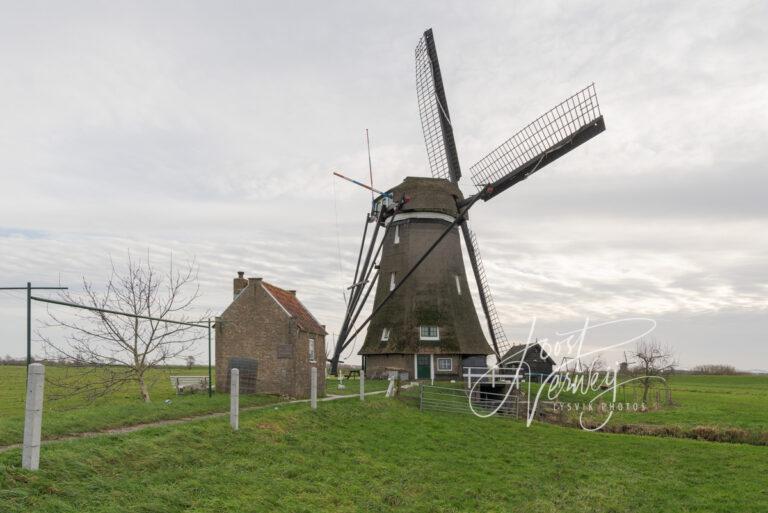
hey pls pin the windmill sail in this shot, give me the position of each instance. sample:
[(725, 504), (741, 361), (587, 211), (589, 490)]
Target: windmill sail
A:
[(568, 125), (444, 163), (433, 109), (496, 331)]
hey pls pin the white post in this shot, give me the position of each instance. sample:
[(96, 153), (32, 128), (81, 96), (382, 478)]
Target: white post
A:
[(432, 368), (234, 399), (362, 385), (391, 385), (33, 417), (313, 388)]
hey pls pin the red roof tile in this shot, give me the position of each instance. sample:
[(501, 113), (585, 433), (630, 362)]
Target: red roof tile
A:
[(295, 309)]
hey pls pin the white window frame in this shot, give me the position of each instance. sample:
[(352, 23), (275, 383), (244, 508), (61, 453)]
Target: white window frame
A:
[(312, 352), (385, 334), (422, 336), (392, 282), (450, 365), (458, 283), (397, 234)]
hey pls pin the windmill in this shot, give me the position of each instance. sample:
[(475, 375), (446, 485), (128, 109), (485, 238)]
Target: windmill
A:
[(422, 310)]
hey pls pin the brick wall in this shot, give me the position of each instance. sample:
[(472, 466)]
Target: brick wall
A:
[(255, 326)]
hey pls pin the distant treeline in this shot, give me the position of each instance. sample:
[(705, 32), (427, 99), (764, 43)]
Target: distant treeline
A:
[(718, 369), (14, 360)]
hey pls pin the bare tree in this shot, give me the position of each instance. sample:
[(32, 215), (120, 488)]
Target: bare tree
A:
[(190, 361), (112, 350), (597, 364), (653, 359)]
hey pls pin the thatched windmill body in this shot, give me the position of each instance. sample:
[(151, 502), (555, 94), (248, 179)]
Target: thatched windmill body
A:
[(423, 318)]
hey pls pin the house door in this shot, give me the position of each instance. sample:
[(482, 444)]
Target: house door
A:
[(423, 367)]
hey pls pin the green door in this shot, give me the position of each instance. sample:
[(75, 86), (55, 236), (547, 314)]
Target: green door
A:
[(423, 368)]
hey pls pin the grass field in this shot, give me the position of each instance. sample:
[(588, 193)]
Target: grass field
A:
[(711, 401), (720, 408), (74, 415), (723, 401), (123, 408), (737, 403), (352, 386), (383, 455)]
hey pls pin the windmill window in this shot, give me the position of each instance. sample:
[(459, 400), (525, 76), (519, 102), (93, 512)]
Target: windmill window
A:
[(445, 364), (385, 334), (458, 283), (429, 333), (392, 281), (312, 355), (397, 234)]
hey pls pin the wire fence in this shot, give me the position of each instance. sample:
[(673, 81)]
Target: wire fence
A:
[(478, 401)]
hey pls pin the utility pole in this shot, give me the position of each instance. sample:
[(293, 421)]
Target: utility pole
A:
[(29, 288)]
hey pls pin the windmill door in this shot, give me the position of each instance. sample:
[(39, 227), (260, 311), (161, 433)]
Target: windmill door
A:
[(423, 368)]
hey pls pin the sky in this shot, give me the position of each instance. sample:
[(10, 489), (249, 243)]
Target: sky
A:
[(209, 131)]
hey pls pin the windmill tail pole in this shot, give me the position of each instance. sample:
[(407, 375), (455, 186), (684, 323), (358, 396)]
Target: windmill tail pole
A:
[(356, 303), (355, 295), (345, 332)]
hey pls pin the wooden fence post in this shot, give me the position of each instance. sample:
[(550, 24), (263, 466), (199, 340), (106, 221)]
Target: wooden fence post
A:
[(234, 399), (362, 385), (33, 417)]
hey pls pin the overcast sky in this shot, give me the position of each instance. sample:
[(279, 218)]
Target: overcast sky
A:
[(210, 130)]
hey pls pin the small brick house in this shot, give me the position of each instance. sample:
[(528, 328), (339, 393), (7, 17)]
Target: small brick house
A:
[(271, 337)]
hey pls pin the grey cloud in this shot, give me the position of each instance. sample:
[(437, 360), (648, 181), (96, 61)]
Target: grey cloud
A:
[(199, 130)]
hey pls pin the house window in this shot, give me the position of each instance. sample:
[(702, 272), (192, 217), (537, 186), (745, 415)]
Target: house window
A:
[(429, 333), (444, 364), (312, 356), (392, 282), (458, 283), (385, 334), (397, 234)]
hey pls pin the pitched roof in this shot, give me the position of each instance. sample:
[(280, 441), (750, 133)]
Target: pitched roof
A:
[(517, 351), (295, 309)]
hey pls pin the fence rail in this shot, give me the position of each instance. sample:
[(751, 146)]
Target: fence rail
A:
[(478, 402)]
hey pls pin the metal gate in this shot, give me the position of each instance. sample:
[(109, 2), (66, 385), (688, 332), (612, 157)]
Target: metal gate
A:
[(479, 402)]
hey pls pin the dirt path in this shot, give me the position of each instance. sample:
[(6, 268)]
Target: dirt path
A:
[(181, 420)]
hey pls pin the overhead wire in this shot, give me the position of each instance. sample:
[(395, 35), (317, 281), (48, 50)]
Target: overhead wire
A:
[(338, 239)]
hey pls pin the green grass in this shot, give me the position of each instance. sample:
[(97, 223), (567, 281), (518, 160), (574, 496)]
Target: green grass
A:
[(720, 408), (721, 402), (73, 415), (383, 455), (352, 386)]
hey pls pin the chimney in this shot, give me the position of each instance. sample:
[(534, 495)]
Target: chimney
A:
[(239, 283), (292, 292)]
